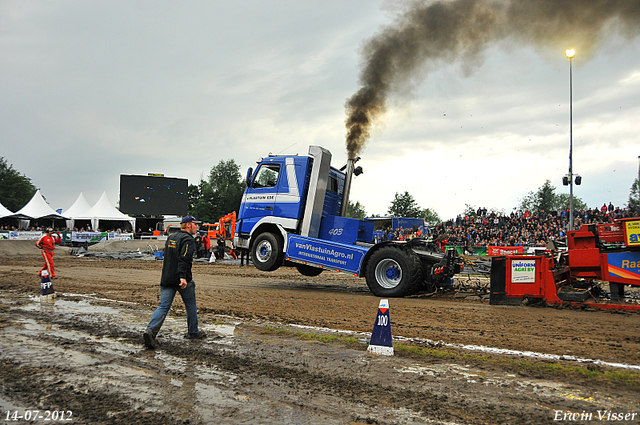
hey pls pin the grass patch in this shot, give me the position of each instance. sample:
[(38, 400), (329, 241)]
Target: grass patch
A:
[(414, 350), (526, 367), (589, 372), (307, 336), (517, 365)]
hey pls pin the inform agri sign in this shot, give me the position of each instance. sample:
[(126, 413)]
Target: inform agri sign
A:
[(523, 271)]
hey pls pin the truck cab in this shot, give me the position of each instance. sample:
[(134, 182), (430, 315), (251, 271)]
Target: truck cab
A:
[(277, 195)]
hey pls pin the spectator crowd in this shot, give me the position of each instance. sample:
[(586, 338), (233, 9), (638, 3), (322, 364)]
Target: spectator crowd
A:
[(521, 228)]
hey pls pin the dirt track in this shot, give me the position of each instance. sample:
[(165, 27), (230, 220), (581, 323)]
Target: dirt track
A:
[(262, 371)]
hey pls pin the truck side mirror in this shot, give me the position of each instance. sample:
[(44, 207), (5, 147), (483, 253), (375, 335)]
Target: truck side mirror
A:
[(249, 175)]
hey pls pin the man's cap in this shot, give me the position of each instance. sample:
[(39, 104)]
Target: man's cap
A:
[(49, 230), (189, 219)]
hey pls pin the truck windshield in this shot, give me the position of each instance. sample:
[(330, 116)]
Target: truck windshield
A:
[(267, 176)]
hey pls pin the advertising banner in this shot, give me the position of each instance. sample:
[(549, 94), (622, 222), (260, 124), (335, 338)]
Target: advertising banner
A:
[(523, 271), (342, 257), (475, 250), (25, 235), (119, 236), (67, 236), (479, 250), (505, 250), (625, 265), (632, 232), (88, 236)]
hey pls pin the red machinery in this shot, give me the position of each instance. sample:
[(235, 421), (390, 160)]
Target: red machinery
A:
[(603, 252)]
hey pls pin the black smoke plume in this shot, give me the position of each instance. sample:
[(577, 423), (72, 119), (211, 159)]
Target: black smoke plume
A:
[(428, 32)]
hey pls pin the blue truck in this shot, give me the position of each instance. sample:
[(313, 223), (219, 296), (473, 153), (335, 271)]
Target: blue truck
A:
[(293, 213)]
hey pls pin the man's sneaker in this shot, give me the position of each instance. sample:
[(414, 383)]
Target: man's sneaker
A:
[(149, 340), (199, 335)]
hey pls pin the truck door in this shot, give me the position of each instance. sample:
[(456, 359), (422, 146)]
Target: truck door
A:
[(259, 199), (288, 200)]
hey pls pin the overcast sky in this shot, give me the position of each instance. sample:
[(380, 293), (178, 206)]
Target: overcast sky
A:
[(90, 90)]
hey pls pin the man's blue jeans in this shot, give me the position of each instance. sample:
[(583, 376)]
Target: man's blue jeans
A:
[(167, 295)]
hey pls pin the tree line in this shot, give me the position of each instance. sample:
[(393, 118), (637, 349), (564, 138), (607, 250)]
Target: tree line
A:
[(220, 193), (16, 189)]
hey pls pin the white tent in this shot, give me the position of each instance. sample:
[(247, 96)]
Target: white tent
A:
[(37, 208), (104, 210), (4, 212), (79, 209)]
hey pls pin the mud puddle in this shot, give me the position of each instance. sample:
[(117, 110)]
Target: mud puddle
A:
[(66, 342), (85, 355)]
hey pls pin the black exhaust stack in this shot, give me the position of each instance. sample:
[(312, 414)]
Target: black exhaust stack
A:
[(351, 169), (347, 186)]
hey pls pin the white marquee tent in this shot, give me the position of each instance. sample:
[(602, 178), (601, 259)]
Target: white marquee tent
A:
[(104, 210), (4, 212), (80, 208), (37, 208)]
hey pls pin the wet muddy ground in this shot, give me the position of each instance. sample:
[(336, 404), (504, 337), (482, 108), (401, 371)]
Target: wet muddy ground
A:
[(291, 349)]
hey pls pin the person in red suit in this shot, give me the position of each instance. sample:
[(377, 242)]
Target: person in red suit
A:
[(206, 245), (47, 243)]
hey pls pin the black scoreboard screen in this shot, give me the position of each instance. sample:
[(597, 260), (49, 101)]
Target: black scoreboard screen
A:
[(151, 195)]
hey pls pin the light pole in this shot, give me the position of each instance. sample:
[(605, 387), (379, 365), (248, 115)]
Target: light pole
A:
[(570, 53)]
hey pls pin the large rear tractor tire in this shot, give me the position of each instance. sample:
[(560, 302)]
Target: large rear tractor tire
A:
[(394, 272), (267, 252)]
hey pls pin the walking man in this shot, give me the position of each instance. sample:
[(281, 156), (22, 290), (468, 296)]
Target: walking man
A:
[(47, 243), (177, 277)]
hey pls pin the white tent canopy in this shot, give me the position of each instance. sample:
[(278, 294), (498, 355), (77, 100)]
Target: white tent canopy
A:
[(80, 208), (104, 210), (37, 208), (4, 212)]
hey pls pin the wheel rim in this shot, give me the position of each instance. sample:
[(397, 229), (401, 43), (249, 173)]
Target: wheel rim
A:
[(263, 251), (388, 273)]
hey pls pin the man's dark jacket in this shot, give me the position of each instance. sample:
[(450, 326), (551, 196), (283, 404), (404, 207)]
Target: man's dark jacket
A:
[(178, 257)]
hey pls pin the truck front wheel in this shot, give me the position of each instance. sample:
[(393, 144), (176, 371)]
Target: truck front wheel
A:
[(267, 252), (394, 272)]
